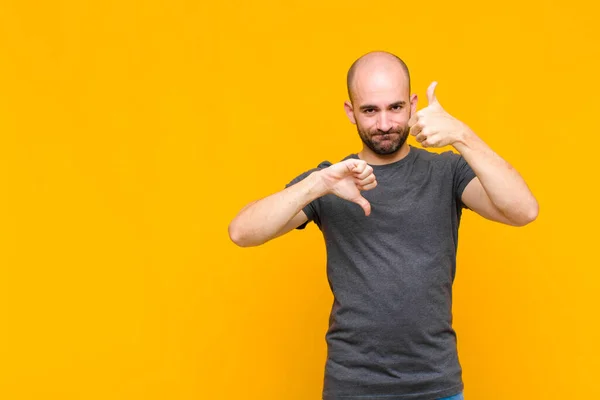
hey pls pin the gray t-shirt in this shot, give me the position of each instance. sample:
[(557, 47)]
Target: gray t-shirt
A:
[(390, 330)]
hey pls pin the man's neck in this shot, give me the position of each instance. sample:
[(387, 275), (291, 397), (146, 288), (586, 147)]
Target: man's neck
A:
[(372, 158)]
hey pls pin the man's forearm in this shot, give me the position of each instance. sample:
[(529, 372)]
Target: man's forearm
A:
[(503, 184), (262, 220)]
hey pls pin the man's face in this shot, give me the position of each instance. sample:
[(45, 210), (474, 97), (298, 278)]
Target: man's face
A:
[(381, 107)]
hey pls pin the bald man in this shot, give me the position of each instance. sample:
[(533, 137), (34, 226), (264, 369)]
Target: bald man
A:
[(390, 216)]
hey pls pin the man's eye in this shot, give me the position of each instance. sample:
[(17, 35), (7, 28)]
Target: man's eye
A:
[(397, 108), (369, 110)]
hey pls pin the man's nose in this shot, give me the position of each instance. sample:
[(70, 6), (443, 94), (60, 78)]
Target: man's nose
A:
[(383, 123)]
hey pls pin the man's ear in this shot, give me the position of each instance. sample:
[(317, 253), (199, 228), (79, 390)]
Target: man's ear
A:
[(349, 111), (413, 104)]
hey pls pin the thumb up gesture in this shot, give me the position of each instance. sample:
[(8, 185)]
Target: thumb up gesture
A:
[(433, 126)]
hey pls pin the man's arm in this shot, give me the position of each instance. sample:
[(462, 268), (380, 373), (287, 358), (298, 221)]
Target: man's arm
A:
[(498, 193), (275, 215), (279, 213)]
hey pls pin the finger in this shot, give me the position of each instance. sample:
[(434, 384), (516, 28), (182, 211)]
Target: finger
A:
[(369, 186), (431, 98), (366, 206), (351, 164), (367, 171), (431, 141), (416, 129), (365, 181), (359, 166), (421, 137)]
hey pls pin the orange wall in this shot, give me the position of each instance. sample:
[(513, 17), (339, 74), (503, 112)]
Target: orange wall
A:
[(131, 133)]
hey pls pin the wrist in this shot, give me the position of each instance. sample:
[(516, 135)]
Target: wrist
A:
[(317, 186), (464, 139)]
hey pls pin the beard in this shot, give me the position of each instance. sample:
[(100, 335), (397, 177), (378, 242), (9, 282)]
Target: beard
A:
[(384, 143)]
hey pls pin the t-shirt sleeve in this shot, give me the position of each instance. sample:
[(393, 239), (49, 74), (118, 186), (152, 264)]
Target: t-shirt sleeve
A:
[(312, 209), (463, 174)]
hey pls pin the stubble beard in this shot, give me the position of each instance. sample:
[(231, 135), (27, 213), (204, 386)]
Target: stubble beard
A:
[(384, 143)]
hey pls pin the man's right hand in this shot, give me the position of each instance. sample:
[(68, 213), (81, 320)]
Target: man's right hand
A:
[(347, 178), (279, 213)]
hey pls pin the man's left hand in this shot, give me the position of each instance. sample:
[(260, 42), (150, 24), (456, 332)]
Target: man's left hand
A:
[(433, 126)]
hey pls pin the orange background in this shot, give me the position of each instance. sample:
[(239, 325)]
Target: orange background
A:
[(131, 133)]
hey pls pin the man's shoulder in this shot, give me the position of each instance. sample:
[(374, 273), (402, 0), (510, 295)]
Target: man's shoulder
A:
[(323, 164), (443, 157), (349, 156), (327, 163)]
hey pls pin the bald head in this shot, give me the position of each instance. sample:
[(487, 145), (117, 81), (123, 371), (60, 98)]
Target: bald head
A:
[(370, 64)]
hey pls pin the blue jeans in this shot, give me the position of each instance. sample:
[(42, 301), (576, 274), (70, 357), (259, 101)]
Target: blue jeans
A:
[(455, 397)]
